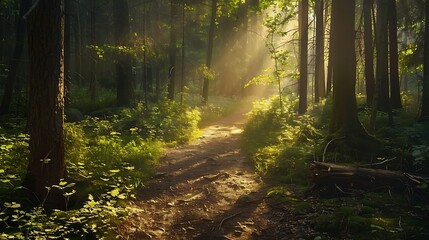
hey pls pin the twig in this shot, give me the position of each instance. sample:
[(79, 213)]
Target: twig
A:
[(379, 163), (227, 218), (30, 10), (326, 147)]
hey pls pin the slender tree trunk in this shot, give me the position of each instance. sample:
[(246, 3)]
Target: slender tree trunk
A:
[(369, 50), (395, 91), (303, 47), (156, 33), (16, 59), (319, 82), (424, 114), (182, 80), (46, 50), (92, 34), (330, 53), (67, 51), (173, 49), (77, 43), (124, 81), (210, 49), (382, 60)]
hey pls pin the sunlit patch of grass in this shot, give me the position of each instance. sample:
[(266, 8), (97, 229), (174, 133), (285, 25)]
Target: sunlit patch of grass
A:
[(280, 142)]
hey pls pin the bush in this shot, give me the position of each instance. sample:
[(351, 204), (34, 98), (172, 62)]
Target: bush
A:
[(280, 141), (168, 121)]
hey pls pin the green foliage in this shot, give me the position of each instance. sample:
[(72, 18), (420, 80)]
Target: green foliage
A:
[(81, 100), (107, 159), (169, 121), (280, 143), (372, 216)]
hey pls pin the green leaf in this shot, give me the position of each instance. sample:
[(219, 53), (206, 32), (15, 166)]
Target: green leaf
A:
[(114, 192)]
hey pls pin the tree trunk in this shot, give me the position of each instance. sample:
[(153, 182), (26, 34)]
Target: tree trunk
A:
[(424, 114), (172, 49), (16, 59), (77, 43), (210, 49), (303, 47), (329, 174), (344, 120), (156, 33), (67, 52), (46, 50), (124, 81), (369, 50), (382, 60), (93, 56), (319, 82), (395, 91)]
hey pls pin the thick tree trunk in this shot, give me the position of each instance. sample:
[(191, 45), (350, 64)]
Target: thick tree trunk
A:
[(369, 50), (329, 174), (382, 60), (395, 91), (303, 48), (16, 59), (124, 81), (46, 50), (344, 116), (172, 49), (210, 49), (424, 114), (319, 82)]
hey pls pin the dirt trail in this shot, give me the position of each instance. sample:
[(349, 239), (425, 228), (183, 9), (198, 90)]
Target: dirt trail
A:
[(204, 190)]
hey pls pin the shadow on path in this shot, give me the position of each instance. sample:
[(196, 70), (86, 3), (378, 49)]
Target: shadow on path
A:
[(205, 190)]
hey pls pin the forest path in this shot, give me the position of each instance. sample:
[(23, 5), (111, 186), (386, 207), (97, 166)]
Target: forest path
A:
[(204, 190)]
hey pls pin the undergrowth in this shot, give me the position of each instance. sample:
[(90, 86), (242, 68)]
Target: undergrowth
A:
[(107, 160), (282, 145), (280, 141)]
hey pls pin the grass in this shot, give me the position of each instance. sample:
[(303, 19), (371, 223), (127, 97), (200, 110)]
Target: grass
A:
[(282, 144)]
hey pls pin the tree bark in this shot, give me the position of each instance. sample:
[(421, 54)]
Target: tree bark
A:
[(344, 116), (67, 52), (382, 59), (172, 49), (369, 50), (16, 59), (124, 81), (77, 43), (424, 113), (395, 91), (210, 50), (319, 82), (303, 47), (46, 50), (329, 174), (92, 41)]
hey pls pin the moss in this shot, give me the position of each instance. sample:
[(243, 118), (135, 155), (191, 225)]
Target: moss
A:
[(302, 207), (358, 225), (327, 223), (345, 212)]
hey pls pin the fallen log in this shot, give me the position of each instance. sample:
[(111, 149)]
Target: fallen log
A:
[(368, 179)]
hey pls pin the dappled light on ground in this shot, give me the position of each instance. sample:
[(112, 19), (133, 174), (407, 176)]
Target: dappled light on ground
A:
[(204, 190)]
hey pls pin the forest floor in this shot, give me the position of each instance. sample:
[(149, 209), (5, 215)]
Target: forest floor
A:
[(209, 190)]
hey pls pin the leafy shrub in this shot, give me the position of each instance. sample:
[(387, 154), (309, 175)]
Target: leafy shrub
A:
[(280, 141), (168, 121)]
